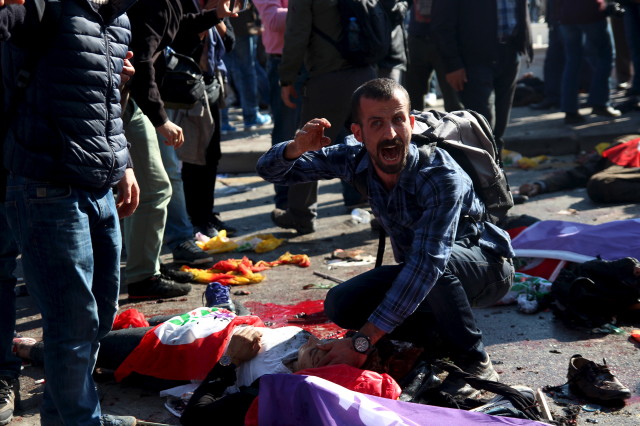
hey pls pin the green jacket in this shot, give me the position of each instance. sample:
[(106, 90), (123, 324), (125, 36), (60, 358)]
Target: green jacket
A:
[(302, 44)]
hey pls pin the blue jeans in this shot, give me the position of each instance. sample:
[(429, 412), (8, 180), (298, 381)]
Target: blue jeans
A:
[(472, 278), (632, 32), (285, 120), (9, 363), (178, 228), (241, 63), (70, 244), (594, 42)]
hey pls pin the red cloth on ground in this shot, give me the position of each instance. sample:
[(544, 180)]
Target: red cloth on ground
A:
[(625, 154), (131, 318)]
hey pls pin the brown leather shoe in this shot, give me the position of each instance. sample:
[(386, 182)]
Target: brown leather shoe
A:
[(595, 381)]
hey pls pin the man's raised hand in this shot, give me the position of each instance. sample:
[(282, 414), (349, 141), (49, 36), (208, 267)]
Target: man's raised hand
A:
[(309, 138)]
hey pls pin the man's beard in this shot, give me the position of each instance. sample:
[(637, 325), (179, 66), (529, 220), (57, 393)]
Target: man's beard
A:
[(390, 149)]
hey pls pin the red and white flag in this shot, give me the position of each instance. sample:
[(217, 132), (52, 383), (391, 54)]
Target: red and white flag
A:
[(186, 347)]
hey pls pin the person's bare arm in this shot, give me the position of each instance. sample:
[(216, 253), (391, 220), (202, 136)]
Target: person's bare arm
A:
[(310, 138), (244, 344), (342, 351), (457, 79), (128, 194)]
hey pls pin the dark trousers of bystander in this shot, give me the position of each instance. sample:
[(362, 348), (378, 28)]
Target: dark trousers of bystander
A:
[(490, 88)]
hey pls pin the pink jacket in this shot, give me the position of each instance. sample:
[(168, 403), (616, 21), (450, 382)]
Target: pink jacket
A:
[(273, 14)]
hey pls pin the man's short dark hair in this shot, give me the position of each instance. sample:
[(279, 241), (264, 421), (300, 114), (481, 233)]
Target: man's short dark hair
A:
[(379, 89)]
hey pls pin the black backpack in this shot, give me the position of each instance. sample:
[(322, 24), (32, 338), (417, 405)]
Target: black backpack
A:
[(366, 32), (596, 292), (468, 138)]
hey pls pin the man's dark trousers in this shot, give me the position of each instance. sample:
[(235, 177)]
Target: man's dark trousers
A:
[(472, 278)]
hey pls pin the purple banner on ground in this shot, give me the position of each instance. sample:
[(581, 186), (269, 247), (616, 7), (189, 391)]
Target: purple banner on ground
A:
[(289, 399), (579, 242)]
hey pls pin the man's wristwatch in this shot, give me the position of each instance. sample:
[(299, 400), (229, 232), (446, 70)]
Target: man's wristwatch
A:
[(361, 343), (225, 361)]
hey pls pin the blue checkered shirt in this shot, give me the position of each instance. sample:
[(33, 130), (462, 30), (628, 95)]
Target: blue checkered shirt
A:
[(506, 18), (421, 214)]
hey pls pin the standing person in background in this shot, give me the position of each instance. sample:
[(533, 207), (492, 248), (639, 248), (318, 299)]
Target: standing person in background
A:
[(155, 24), (481, 42), (273, 14), (200, 163), (65, 149), (585, 32), (621, 49), (425, 60), (242, 62), (326, 94), (553, 60), (632, 30), (395, 63)]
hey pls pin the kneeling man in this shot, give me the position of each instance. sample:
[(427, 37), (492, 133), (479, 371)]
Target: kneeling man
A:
[(449, 258)]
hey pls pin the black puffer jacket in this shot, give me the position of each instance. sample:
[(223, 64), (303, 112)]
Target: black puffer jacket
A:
[(68, 127)]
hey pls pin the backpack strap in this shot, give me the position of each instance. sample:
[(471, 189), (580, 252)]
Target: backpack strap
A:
[(325, 37)]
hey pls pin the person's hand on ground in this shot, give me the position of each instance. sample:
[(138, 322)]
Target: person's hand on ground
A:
[(128, 194), (310, 138), (172, 134), (530, 189), (341, 352), (287, 93), (244, 345), (457, 79)]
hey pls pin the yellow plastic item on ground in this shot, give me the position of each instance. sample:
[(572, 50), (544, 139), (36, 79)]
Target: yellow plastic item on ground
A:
[(219, 244), (531, 162), (268, 243)]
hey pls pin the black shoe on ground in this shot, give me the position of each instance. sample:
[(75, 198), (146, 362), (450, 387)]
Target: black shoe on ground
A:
[(460, 388), (175, 275), (157, 287), (109, 420), (544, 104), (595, 381), (9, 398), (216, 223), (284, 219), (188, 252), (606, 111), (573, 118)]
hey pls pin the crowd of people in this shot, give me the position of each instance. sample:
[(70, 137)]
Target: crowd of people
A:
[(85, 115)]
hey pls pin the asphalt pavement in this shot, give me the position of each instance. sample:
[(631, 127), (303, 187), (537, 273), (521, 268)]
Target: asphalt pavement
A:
[(532, 350)]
